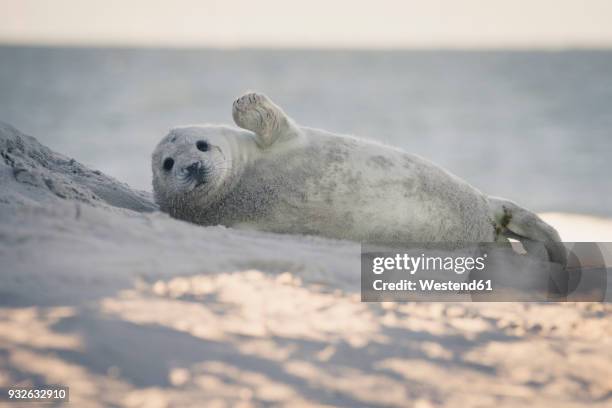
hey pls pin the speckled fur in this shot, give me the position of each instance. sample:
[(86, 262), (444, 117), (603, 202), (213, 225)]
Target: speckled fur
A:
[(290, 179)]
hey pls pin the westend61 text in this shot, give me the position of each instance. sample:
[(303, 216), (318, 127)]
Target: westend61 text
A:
[(430, 285)]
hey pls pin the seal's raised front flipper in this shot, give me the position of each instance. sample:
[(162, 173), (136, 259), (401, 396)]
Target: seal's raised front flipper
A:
[(257, 113), (513, 221)]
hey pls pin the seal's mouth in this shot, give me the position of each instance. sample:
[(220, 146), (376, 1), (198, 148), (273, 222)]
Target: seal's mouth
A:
[(200, 183)]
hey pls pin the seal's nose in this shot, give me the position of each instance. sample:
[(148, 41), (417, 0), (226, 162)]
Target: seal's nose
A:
[(196, 171), (193, 168)]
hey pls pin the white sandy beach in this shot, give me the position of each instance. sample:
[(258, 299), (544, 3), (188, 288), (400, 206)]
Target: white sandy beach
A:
[(131, 308), (579, 227)]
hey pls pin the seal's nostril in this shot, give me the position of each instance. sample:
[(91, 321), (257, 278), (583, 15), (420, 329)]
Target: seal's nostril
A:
[(193, 168)]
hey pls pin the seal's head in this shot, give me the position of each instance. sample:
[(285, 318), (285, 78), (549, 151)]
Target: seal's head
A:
[(192, 164)]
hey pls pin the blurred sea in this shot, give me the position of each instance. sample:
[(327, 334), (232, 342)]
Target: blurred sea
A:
[(534, 127)]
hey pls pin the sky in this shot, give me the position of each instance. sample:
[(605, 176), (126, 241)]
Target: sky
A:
[(309, 23)]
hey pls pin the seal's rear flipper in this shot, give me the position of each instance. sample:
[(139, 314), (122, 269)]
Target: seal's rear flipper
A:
[(257, 113), (513, 221)]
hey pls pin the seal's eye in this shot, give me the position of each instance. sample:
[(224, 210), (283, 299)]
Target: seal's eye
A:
[(202, 146), (168, 163)]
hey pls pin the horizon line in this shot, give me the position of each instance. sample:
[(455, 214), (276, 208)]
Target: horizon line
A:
[(303, 47)]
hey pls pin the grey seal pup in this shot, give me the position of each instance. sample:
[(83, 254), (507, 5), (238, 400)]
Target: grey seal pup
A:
[(273, 175)]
